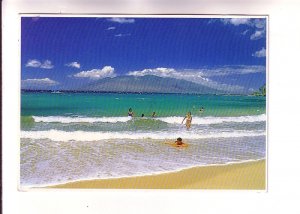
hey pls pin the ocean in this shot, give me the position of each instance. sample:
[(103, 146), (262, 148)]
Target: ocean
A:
[(69, 137)]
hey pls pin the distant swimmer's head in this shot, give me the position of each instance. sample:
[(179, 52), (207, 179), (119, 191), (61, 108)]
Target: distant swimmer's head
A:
[(143, 115)]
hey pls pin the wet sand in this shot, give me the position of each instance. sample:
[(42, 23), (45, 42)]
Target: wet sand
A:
[(248, 176)]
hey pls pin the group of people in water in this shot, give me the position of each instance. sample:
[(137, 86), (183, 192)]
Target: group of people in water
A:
[(188, 122), (188, 118), (131, 114)]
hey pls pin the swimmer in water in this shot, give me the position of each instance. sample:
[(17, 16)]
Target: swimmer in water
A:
[(178, 143), (201, 109), (188, 119), (130, 112)]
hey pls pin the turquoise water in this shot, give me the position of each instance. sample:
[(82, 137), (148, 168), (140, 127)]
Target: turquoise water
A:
[(94, 104), (77, 136)]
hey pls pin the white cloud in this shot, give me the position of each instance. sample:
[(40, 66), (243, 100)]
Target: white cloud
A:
[(245, 32), (33, 63), (236, 21), (260, 23), (211, 21), (111, 28), (189, 75), (202, 76), (39, 82), (256, 23), (257, 26), (73, 64), (47, 65), (162, 72), (233, 70), (106, 71), (121, 20), (260, 53), (37, 64), (122, 35), (257, 35)]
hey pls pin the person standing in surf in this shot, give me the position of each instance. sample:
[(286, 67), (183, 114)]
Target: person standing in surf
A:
[(153, 114), (188, 119), (130, 112)]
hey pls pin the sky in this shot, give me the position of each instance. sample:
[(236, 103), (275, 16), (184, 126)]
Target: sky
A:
[(68, 52)]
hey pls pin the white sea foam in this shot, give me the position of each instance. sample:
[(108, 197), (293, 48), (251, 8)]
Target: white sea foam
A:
[(58, 135), (170, 120), (63, 119), (216, 120)]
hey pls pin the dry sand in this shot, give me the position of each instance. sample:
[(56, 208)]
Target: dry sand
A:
[(248, 176)]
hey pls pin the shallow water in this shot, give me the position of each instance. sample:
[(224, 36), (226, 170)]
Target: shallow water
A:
[(68, 137), (46, 162)]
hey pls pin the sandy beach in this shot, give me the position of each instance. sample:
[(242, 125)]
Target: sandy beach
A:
[(248, 176)]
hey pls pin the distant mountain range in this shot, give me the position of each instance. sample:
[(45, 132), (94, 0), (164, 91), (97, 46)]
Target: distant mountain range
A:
[(137, 84), (148, 84)]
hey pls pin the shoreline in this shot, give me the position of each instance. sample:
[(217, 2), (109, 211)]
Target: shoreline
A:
[(249, 175)]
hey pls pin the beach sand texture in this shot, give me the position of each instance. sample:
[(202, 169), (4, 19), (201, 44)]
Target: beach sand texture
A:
[(248, 176)]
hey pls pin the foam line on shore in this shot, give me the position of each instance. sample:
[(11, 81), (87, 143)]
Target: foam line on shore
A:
[(58, 135), (171, 120)]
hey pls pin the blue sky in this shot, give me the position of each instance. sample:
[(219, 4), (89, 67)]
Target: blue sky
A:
[(67, 52)]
